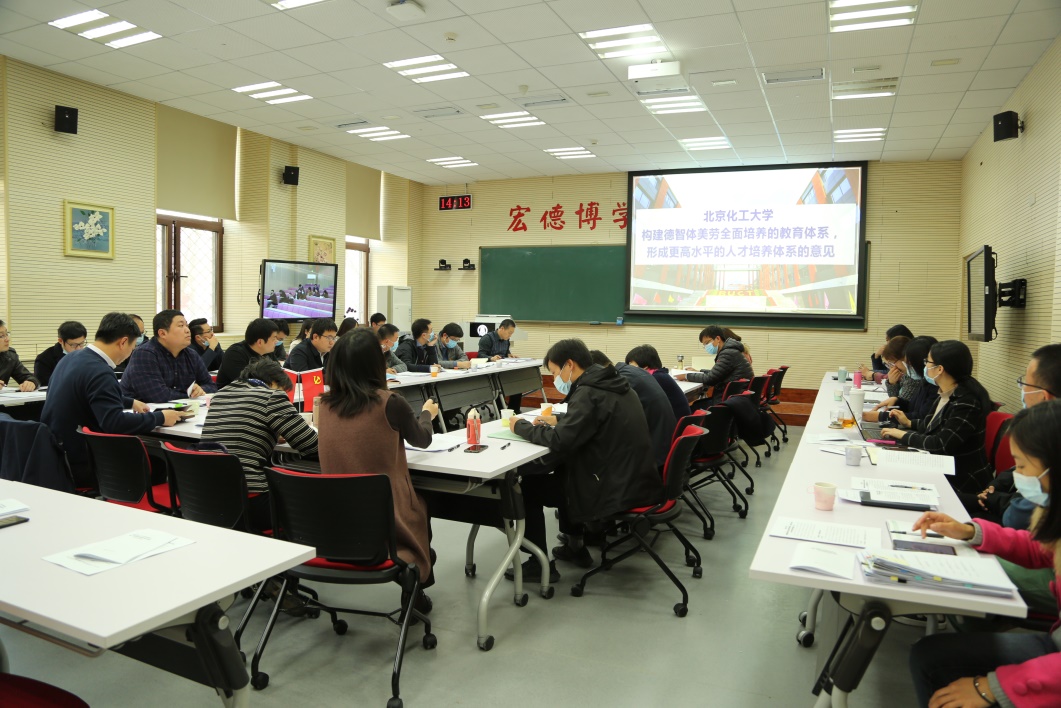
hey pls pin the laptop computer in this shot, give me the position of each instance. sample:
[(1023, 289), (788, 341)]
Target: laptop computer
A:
[(873, 428)]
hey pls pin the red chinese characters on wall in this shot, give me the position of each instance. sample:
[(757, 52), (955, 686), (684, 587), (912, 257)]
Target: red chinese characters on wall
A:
[(552, 218)]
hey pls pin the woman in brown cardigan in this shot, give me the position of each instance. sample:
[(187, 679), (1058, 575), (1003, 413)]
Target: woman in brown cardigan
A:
[(358, 407)]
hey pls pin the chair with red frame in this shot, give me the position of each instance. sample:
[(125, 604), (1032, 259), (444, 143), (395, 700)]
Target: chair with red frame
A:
[(123, 472), (760, 387), (312, 386), (996, 441), (349, 519), (712, 456), (643, 519), (211, 487), (735, 388), (22, 692), (773, 397)]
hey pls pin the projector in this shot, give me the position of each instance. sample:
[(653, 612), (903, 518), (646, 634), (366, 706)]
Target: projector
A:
[(406, 10), (654, 70)]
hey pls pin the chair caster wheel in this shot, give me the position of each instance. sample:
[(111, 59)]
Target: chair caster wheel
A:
[(690, 561), (778, 447), (487, 644), (744, 465), (803, 618), (766, 454), (340, 627), (548, 592), (805, 638), (259, 681), (749, 490), (709, 534), (758, 463), (246, 593), (394, 703), (469, 570), (576, 590), (430, 641), (698, 572), (737, 507), (521, 601), (681, 609), (313, 614), (785, 439), (743, 513)]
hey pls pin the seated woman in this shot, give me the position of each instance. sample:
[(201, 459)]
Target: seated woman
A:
[(358, 407), (730, 363), (728, 333), (248, 417), (957, 424), (1005, 669), (347, 325), (646, 357), (897, 382), (917, 402), (878, 371)]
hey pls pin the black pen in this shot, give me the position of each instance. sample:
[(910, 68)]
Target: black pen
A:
[(907, 486), (929, 534), (505, 445)]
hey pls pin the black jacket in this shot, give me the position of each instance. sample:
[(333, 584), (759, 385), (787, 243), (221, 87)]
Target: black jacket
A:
[(233, 362), (959, 431), (305, 357), (29, 453), (415, 357), (679, 403), (603, 445), (46, 361), (491, 344), (12, 368), (211, 357), (658, 412), (921, 404), (730, 365)]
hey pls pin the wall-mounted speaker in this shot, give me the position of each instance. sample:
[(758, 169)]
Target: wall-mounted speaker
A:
[(290, 175), (65, 119), (1007, 126)]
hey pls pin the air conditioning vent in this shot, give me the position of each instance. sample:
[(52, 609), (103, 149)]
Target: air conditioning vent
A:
[(788, 77), (439, 112), (546, 101)]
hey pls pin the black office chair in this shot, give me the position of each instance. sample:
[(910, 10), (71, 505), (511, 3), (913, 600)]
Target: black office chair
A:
[(123, 472), (349, 519), (210, 487), (640, 520), (713, 456)]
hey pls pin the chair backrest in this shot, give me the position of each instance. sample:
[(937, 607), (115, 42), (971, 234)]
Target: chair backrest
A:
[(759, 386), (122, 465), (996, 441), (717, 422), (211, 486), (312, 386), (681, 452), (346, 517), (734, 388), (776, 377)]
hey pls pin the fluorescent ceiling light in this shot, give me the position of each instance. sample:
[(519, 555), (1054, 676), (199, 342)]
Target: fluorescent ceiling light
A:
[(879, 12), (521, 125), (451, 163), (392, 137), (574, 157), (725, 82), (670, 99), (426, 69), (467, 164), (134, 39), (640, 51), (505, 115), (572, 149), (859, 130), (614, 31), (685, 104), (288, 4), (79, 19), (708, 147), (382, 132), (945, 62), (290, 99), (859, 140), (444, 159), (256, 87), (411, 62), (856, 3), (878, 94), (277, 92), (513, 120), (368, 130), (873, 25), (679, 110), (441, 77), (113, 28), (647, 39), (691, 141)]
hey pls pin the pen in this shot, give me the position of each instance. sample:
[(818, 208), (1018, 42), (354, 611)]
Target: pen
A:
[(907, 486), (505, 445), (930, 534)]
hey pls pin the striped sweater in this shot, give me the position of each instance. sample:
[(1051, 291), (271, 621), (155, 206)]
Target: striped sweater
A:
[(248, 420)]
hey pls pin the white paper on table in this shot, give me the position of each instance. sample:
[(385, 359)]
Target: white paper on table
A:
[(823, 532), (85, 561), (11, 506), (897, 460), (962, 569), (874, 484), (437, 444), (894, 496), (816, 558), (830, 438)]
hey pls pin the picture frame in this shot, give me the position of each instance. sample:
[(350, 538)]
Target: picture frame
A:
[(88, 230), (321, 249)]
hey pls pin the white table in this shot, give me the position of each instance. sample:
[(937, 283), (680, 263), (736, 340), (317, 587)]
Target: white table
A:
[(10, 396), (179, 589), (795, 500)]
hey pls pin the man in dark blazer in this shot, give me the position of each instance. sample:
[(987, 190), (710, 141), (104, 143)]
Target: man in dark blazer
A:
[(72, 337)]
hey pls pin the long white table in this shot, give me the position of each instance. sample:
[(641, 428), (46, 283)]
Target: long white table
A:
[(11, 396), (796, 500), (176, 593)]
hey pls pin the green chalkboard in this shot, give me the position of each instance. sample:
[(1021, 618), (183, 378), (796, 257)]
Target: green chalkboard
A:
[(553, 283)]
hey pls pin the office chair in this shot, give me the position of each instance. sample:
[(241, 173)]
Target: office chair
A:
[(30, 693), (713, 455), (773, 398), (211, 487), (760, 387), (349, 519), (996, 441), (123, 472)]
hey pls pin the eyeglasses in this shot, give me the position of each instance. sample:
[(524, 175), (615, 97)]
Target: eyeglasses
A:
[(76, 345), (206, 333), (5, 335), (1021, 383), (928, 363), (330, 339)]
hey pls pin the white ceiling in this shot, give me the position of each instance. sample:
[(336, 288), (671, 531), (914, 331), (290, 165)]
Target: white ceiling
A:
[(334, 51)]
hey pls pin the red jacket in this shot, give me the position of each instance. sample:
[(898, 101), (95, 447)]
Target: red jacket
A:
[(1037, 682)]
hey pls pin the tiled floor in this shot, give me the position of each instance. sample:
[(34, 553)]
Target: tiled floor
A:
[(619, 645)]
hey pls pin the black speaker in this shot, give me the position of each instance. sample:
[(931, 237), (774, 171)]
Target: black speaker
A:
[(1007, 126), (65, 119), (290, 175)]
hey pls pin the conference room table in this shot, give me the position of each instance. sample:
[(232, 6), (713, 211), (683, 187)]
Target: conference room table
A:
[(858, 595), (10, 396), (164, 610)]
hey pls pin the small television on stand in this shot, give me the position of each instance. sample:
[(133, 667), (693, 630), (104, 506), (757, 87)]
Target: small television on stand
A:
[(981, 294), (298, 290)]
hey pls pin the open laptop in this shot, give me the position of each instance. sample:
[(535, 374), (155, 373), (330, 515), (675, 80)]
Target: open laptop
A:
[(873, 428)]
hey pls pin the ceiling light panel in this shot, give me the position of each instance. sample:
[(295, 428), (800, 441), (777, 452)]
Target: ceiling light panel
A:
[(426, 69), (513, 119), (133, 39), (859, 135), (288, 4), (99, 26), (291, 99), (873, 88), (80, 18), (689, 103), (630, 41), (717, 143), (105, 30), (854, 15), (272, 90), (451, 162), (570, 153)]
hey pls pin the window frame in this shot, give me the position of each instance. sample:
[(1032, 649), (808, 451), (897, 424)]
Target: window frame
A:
[(171, 257), (366, 249)]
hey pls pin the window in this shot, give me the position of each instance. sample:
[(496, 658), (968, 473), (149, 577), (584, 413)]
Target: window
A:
[(356, 274), (188, 265)]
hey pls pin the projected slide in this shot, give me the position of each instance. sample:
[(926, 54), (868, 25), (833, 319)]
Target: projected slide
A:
[(777, 241)]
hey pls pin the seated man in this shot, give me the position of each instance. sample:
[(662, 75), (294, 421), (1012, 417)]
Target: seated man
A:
[(495, 345), (658, 413), (259, 340), (448, 351), (376, 320), (312, 352), (165, 368), (84, 392), (120, 368), (10, 365), (72, 337), (730, 363), (283, 330), (388, 341), (206, 344), (646, 357), (606, 462), (418, 353)]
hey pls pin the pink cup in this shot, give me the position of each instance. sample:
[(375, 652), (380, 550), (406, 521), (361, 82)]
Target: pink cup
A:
[(824, 495), (858, 379)]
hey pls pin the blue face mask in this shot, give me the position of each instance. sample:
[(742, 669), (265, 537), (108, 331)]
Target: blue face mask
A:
[(1031, 488), (140, 340), (564, 387), (279, 344), (394, 347), (928, 378), (451, 344), (913, 374), (1024, 394), (710, 348)]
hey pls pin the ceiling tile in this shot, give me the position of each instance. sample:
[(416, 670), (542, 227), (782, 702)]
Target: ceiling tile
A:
[(227, 11), (810, 150), (750, 141), (774, 152), (980, 32), (905, 120), (1007, 56), (792, 52), (580, 74), (938, 102), (278, 31), (460, 89), (45, 10), (964, 130), (790, 111), (1029, 26), (692, 33), (319, 85), (951, 10), (509, 82), (28, 54), (224, 100), (998, 79), (582, 16), (80, 70), (801, 92), (943, 83), (864, 106), (551, 51), (736, 128), (817, 137), (387, 46), (985, 99), (679, 122), (622, 125), (487, 60), (160, 16), (742, 115), (805, 125), (980, 116), (11, 21), (959, 142), (682, 9), (339, 20), (734, 99), (59, 42), (870, 43), (521, 23), (329, 56), (969, 59), (845, 69), (227, 75), (778, 23), (151, 93), (170, 54), (925, 132), (923, 144), (905, 155), (948, 155), (276, 65), (222, 42), (470, 35), (192, 106), (1035, 5), (128, 67), (182, 83), (864, 121), (715, 59), (704, 82)]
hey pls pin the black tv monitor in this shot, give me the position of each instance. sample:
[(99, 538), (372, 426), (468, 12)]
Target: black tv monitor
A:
[(298, 290), (480, 329), (981, 294)]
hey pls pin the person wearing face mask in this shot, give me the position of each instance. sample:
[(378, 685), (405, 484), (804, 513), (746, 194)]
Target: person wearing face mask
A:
[(730, 363), (605, 457), (283, 331), (120, 368), (878, 372), (72, 336), (922, 400), (418, 352), (1004, 669), (957, 424), (205, 343), (388, 341), (448, 350)]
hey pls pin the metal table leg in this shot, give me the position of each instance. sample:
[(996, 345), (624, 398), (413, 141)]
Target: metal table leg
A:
[(486, 640)]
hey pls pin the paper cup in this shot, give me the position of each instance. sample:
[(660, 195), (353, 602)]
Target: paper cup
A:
[(858, 401), (838, 394), (824, 495), (506, 413), (853, 455), (547, 409), (435, 368), (841, 374)]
